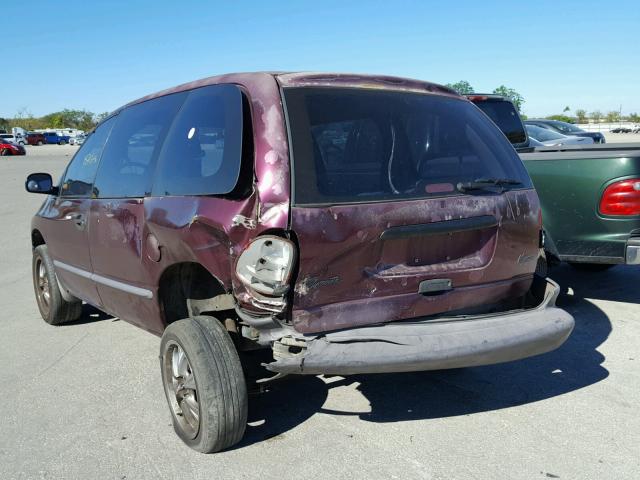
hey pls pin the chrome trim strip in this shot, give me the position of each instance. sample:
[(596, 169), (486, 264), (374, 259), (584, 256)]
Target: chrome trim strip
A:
[(125, 287)]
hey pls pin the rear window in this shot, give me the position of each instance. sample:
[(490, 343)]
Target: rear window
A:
[(358, 145), (504, 115)]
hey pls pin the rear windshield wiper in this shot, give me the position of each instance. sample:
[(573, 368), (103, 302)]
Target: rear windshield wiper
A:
[(481, 183)]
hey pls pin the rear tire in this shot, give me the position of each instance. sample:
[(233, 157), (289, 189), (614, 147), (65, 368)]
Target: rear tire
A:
[(203, 383), (54, 309), (591, 267), (5, 152), (39, 143)]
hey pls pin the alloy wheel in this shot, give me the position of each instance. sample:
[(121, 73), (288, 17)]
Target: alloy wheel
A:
[(180, 388), (43, 286)]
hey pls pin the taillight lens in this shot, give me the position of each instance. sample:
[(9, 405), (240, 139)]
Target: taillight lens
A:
[(621, 198), (265, 265)]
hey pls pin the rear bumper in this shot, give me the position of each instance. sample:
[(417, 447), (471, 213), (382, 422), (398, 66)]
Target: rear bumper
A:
[(609, 252), (632, 254), (430, 345)]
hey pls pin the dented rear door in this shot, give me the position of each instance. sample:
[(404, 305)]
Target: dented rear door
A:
[(384, 228)]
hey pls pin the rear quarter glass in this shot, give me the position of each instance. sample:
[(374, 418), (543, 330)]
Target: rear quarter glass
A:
[(354, 145), (505, 116)]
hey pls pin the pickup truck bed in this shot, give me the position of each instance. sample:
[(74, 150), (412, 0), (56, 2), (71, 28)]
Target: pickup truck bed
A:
[(570, 184), (570, 181)]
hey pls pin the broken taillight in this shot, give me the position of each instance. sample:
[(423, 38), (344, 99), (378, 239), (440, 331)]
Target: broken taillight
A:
[(621, 198), (265, 265)]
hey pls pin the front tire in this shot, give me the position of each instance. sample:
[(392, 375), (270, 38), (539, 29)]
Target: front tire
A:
[(54, 309), (203, 383), (39, 143), (5, 152)]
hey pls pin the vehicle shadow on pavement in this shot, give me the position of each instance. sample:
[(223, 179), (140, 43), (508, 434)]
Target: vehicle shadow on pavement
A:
[(618, 284), (90, 314), (446, 393)]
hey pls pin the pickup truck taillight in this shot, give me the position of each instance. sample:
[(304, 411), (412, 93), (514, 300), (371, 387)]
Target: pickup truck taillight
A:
[(621, 198)]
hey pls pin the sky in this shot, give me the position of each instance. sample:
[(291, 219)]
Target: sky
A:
[(100, 55)]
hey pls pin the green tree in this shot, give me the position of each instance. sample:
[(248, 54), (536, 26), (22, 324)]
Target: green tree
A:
[(634, 117), (67, 118), (97, 118), (613, 116), (462, 87), (511, 94), (561, 118), (566, 109), (582, 115), (596, 115)]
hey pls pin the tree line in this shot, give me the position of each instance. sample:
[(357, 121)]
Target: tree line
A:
[(80, 119), (580, 115)]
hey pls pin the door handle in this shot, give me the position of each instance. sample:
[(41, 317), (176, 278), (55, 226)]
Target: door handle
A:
[(108, 209), (78, 219)]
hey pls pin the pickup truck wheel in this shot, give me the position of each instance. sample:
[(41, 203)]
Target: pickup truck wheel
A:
[(54, 309), (591, 267), (204, 384), (62, 142), (39, 143)]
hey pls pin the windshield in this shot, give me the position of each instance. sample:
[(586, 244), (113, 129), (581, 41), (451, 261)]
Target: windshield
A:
[(542, 134), (359, 145), (567, 128), (504, 115)]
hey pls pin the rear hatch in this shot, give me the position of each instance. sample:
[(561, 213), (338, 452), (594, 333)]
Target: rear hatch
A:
[(389, 222)]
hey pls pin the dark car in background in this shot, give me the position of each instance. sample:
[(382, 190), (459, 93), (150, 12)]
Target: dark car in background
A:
[(55, 138), (566, 129), (551, 138), (346, 224), (36, 138)]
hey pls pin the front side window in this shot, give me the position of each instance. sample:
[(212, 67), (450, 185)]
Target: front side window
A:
[(127, 165), (81, 172), (361, 145), (203, 149)]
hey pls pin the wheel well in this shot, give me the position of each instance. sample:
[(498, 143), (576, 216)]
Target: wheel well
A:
[(188, 289), (37, 239)]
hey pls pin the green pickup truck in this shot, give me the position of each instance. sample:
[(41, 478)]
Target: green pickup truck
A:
[(590, 195)]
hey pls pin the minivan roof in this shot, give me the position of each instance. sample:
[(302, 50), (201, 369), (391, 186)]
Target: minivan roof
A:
[(311, 79)]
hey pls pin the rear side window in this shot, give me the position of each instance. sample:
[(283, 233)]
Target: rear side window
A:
[(358, 145), (127, 164), (202, 152), (78, 179), (504, 115)]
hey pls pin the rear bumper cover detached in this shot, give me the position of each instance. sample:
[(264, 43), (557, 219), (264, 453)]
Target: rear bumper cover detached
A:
[(431, 344)]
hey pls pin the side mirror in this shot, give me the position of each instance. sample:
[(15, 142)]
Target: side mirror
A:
[(40, 183)]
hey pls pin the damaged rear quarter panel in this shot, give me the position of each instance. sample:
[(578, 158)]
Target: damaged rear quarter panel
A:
[(213, 231)]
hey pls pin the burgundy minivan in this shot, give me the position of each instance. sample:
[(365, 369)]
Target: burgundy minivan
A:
[(347, 223)]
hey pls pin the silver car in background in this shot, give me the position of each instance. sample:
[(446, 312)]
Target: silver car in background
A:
[(77, 140), (550, 138)]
